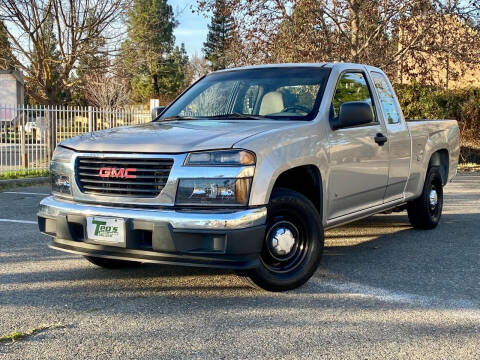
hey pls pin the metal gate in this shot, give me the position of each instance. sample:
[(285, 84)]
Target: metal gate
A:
[(29, 134)]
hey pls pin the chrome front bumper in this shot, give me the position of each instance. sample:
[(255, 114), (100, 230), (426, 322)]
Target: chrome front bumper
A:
[(228, 238), (193, 220)]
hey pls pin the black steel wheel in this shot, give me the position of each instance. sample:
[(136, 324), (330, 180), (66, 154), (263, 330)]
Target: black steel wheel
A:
[(425, 211), (293, 243)]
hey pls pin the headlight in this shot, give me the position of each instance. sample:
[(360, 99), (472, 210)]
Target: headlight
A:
[(213, 191), (61, 171), (221, 158)]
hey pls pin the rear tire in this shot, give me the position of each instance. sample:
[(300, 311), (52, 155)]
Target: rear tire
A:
[(425, 212), (293, 243), (112, 263)]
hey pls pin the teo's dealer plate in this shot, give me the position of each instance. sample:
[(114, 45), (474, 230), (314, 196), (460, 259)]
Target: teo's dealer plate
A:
[(106, 230)]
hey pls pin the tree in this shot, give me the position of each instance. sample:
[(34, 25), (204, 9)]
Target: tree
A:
[(75, 25), (195, 69), (172, 72), (45, 67), (7, 59), (89, 66), (150, 58), (105, 90), (220, 37), (443, 55), (376, 32), (94, 66)]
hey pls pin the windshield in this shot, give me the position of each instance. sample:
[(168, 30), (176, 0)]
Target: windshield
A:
[(283, 93)]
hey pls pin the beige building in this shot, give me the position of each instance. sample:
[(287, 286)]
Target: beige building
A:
[(443, 70)]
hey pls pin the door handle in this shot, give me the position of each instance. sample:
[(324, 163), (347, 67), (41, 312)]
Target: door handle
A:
[(380, 139)]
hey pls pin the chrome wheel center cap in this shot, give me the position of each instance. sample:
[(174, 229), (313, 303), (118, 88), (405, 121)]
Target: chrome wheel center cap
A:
[(433, 198), (282, 241)]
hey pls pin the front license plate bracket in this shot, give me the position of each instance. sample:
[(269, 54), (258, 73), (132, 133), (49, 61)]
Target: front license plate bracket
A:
[(106, 230)]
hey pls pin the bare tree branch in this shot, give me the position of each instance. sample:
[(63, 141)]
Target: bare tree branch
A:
[(78, 26), (107, 91)]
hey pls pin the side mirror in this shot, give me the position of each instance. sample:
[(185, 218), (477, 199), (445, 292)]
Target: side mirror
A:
[(157, 111), (353, 113)]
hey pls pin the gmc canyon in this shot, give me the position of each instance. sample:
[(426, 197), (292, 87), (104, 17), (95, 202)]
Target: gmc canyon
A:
[(246, 169)]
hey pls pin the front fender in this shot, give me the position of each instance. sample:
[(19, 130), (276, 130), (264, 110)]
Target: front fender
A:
[(282, 150)]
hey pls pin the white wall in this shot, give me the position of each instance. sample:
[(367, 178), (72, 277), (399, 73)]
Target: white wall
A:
[(8, 96)]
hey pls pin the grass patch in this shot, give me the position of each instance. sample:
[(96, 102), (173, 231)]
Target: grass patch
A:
[(20, 335), (8, 175)]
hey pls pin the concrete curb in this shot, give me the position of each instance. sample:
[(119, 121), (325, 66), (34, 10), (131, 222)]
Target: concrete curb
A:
[(12, 183), (468, 173)]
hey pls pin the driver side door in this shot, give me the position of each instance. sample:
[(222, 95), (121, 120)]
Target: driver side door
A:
[(358, 166)]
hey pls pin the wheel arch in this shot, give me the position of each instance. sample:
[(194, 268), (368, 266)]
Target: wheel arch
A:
[(305, 179), (440, 158)]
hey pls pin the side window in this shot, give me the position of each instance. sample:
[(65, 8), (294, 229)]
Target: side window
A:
[(351, 87), (387, 98)]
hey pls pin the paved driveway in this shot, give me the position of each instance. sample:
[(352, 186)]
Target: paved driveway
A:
[(384, 291)]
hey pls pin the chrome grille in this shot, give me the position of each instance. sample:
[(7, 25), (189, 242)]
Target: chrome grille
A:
[(151, 175)]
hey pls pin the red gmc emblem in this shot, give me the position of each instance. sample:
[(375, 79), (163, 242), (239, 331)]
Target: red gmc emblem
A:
[(122, 173)]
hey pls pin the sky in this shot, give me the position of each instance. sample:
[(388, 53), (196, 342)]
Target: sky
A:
[(192, 29)]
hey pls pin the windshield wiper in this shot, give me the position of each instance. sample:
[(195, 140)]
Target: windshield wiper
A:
[(222, 116), (236, 116), (177, 117)]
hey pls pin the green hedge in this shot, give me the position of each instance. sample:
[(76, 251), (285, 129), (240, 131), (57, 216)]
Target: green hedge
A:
[(430, 102), (420, 102)]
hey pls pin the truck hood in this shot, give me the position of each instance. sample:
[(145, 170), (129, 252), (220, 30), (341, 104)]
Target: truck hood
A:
[(172, 136)]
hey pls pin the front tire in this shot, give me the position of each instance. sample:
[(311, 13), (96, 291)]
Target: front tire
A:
[(293, 243), (112, 263), (425, 212)]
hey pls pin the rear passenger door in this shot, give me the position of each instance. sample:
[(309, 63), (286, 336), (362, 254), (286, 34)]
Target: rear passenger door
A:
[(399, 140), (358, 166)]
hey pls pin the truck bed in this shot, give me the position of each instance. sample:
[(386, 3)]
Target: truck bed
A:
[(431, 135)]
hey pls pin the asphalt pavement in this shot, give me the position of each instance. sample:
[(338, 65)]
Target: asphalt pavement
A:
[(383, 291)]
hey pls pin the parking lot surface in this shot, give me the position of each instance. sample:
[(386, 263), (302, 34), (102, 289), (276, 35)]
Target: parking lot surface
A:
[(383, 291)]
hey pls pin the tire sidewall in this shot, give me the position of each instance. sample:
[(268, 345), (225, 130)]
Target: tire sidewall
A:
[(434, 179), (419, 211), (284, 200)]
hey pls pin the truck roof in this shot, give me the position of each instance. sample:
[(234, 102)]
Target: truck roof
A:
[(287, 65)]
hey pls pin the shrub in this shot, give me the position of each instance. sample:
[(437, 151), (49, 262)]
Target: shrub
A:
[(432, 102)]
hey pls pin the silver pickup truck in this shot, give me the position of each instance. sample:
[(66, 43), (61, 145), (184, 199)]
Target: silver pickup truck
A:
[(246, 169)]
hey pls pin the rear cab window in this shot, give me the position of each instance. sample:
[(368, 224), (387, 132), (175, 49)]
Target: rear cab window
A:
[(390, 110)]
